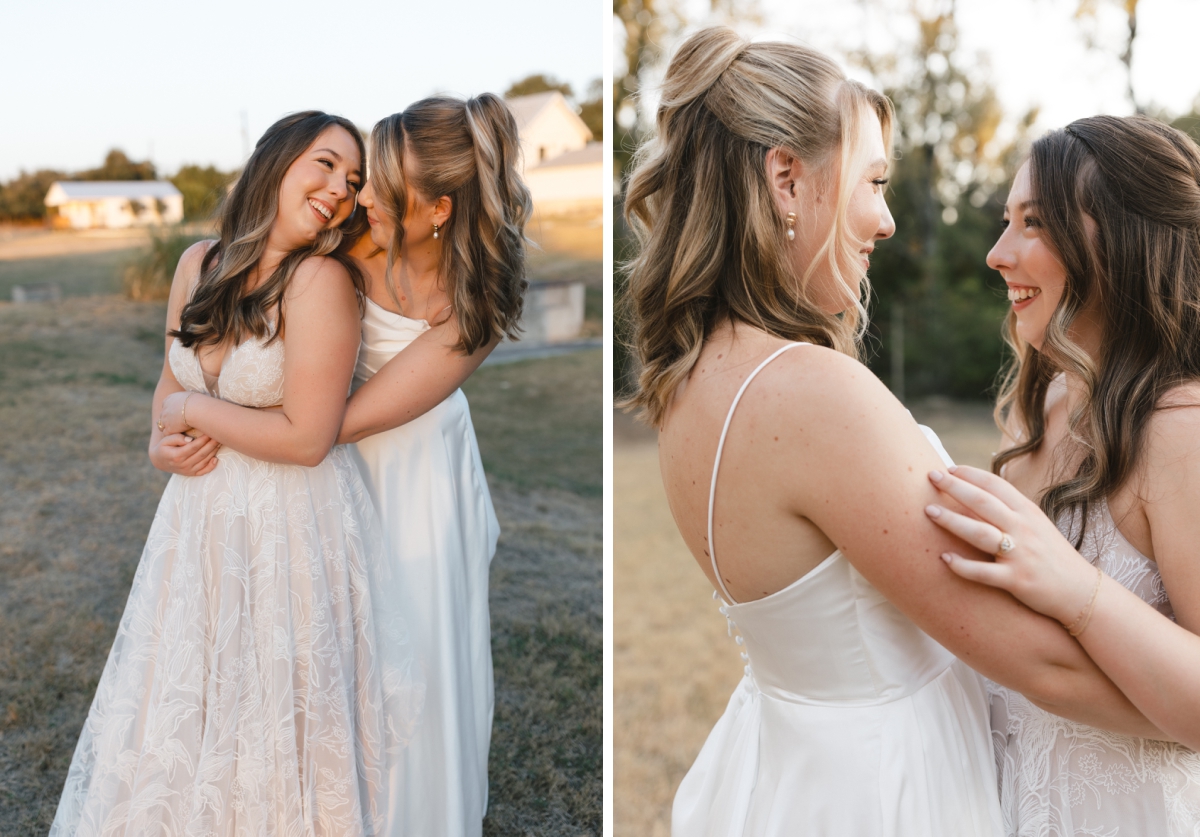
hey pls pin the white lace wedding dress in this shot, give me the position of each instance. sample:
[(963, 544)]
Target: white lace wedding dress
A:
[(850, 720), (440, 533), (1059, 778), (261, 681)]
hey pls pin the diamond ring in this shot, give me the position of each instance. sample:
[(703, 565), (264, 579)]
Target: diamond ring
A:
[(1006, 544)]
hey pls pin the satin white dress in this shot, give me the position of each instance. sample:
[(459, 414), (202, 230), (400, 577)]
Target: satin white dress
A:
[(261, 680), (1061, 778), (440, 531), (849, 720)]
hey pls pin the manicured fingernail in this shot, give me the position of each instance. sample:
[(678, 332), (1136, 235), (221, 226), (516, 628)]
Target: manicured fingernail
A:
[(947, 557), (952, 468), (933, 511), (936, 476)]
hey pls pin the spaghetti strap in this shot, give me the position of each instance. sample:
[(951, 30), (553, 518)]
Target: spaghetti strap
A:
[(712, 491)]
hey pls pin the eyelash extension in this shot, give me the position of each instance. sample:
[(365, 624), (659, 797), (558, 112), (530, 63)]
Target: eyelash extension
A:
[(881, 181)]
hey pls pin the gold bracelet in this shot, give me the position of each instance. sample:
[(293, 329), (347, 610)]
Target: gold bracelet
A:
[(183, 411), (1085, 616)]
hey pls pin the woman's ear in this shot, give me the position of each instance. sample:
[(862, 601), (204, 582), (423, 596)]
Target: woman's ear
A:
[(442, 208), (784, 171)]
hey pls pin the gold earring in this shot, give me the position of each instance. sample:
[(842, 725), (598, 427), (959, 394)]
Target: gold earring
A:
[(791, 226), (435, 230)]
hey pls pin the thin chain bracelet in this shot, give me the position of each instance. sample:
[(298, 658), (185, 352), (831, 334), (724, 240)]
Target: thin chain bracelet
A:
[(183, 411), (1085, 616)]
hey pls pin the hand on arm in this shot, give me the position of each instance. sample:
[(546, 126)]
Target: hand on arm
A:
[(1154, 661), (877, 522), (321, 343), (417, 379), (175, 452)]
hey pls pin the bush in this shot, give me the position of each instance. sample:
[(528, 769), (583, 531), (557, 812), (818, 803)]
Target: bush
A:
[(148, 276)]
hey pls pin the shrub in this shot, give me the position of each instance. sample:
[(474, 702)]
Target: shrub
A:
[(148, 276)]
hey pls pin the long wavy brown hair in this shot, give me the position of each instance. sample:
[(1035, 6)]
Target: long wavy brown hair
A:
[(220, 308), (1139, 181), (711, 241), (468, 151)]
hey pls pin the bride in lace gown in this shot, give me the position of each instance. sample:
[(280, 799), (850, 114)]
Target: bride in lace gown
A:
[(445, 270), (1102, 428), (797, 480), (260, 681)]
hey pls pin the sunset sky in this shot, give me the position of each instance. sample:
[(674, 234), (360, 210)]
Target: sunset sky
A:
[(170, 81)]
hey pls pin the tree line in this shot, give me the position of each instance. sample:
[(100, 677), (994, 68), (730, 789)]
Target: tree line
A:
[(936, 308), (22, 199)]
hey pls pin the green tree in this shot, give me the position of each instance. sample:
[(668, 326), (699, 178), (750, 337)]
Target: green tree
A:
[(938, 308), (537, 83), (202, 189), (118, 166), (591, 111), (23, 197)]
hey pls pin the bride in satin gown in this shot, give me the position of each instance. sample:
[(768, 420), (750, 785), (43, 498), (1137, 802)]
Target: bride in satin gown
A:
[(445, 273), (798, 481), (261, 680)]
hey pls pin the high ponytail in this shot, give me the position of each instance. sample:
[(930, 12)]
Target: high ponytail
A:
[(467, 151)]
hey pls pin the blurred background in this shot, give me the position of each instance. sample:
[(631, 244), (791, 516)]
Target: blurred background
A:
[(123, 125), (973, 82)]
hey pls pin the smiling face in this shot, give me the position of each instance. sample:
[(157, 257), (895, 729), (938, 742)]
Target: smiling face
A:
[(868, 220), (1030, 267), (319, 188)]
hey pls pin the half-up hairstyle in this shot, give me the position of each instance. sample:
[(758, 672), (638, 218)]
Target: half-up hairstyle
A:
[(711, 239), (220, 308), (467, 151), (1139, 181)]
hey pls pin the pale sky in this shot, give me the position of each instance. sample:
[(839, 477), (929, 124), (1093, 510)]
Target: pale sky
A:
[(1035, 49), (170, 80)]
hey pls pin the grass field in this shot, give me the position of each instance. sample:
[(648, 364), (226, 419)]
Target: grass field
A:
[(77, 494), (674, 665)]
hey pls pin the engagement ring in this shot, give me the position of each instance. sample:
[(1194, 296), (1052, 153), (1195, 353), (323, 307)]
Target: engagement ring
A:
[(1006, 544)]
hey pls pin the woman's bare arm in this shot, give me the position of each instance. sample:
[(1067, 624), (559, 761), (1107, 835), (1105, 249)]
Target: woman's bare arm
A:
[(177, 453), (1154, 661), (321, 344), (856, 466), (417, 379)]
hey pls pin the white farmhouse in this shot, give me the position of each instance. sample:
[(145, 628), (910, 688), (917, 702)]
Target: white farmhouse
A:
[(562, 167), (115, 204)]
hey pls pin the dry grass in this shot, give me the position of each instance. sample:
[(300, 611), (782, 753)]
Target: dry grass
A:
[(674, 666), (77, 494)]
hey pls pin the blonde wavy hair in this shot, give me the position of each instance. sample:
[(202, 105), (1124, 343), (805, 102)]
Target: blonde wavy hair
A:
[(711, 240), (468, 151)]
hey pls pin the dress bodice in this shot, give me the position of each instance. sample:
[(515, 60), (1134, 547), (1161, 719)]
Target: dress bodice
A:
[(1105, 546), (1060, 777), (831, 637), (849, 720), (384, 333), (251, 375)]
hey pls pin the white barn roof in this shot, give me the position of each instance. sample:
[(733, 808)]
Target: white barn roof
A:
[(526, 108), (591, 153), (62, 191)]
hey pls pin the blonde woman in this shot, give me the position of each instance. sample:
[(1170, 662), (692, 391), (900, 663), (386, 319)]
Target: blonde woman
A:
[(1101, 436), (798, 481), (444, 263)]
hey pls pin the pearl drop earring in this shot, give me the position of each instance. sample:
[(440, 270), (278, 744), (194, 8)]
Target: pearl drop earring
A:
[(791, 226), (435, 230)]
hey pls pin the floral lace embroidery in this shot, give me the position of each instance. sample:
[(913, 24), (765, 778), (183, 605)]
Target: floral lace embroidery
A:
[(1060, 778), (261, 680)]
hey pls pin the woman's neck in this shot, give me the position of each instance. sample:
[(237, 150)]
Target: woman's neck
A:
[(419, 290)]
